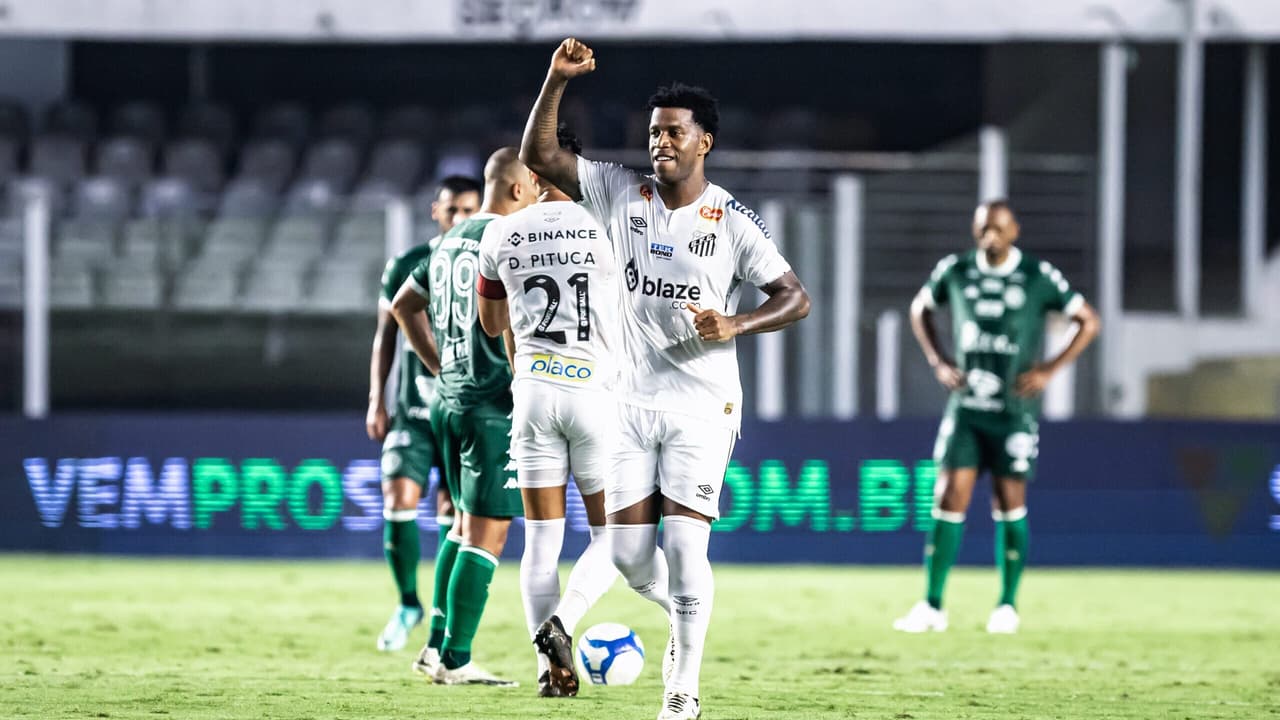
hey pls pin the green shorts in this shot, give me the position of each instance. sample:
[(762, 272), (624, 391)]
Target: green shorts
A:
[(409, 450), (474, 446), (1005, 444)]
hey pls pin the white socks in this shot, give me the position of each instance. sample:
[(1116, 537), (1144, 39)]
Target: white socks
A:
[(692, 592), (539, 573), (592, 576), (637, 556)]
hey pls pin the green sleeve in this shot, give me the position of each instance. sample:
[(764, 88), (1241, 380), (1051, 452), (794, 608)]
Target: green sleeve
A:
[(393, 276), (420, 276), (1058, 293), (936, 287)]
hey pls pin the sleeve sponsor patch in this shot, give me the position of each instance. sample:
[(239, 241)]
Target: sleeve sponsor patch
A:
[(733, 204)]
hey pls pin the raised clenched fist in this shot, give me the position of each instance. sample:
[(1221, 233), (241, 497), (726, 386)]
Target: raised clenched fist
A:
[(572, 59)]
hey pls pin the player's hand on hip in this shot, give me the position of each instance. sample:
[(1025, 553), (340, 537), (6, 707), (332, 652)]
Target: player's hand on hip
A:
[(1033, 381), (712, 326), (949, 375), (572, 59), (375, 422)]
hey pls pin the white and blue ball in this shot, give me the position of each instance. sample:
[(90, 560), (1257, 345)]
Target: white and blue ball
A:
[(610, 654)]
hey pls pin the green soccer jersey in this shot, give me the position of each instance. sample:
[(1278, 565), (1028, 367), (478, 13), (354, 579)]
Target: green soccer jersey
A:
[(416, 384), (997, 319), (473, 366)]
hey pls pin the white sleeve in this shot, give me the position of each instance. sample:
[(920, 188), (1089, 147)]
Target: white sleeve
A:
[(602, 185), (490, 244), (755, 258)]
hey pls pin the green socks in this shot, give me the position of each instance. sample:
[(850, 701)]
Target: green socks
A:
[(1012, 539), (400, 545), (446, 555), (468, 593), (940, 552)]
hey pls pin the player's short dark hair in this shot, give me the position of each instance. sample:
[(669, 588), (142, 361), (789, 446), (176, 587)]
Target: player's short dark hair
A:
[(567, 140), (998, 204), (704, 106), (458, 184)]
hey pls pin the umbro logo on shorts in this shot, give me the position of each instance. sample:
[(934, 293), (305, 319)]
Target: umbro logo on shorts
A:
[(706, 489)]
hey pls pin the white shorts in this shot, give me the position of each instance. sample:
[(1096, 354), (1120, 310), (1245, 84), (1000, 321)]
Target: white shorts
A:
[(681, 456), (555, 432)]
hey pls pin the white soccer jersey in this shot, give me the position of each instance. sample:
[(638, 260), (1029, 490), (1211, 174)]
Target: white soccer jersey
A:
[(699, 254), (558, 274)]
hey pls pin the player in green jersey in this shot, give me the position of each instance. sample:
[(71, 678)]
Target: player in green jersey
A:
[(471, 418), (999, 298), (408, 450)]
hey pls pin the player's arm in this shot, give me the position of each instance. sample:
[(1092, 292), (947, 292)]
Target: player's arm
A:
[(408, 309), (509, 343), (539, 148), (1087, 326), (787, 303), (380, 361), (926, 332)]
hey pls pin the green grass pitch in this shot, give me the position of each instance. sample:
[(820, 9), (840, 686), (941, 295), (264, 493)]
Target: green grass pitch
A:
[(132, 638)]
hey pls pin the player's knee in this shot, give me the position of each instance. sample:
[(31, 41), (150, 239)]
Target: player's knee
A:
[(633, 561)]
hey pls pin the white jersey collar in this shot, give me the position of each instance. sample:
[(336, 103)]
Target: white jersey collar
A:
[(1009, 265)]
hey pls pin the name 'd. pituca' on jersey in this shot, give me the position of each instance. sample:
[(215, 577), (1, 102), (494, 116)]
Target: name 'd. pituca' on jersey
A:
[(571, 257)]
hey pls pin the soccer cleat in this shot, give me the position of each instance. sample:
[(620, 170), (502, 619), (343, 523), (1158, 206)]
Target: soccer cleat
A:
[(1003, 621), (680, 706), (922, 618), (428, 662), (545, 688), (396, 633), (470, 674), (669, 657), (553, 642)]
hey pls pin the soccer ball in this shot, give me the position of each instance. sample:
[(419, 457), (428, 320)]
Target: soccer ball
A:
[(610, 654)]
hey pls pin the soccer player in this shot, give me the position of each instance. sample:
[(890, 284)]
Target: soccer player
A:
[(685, 247), (547, 273), (408, 450), (999, 297), (470, 416)]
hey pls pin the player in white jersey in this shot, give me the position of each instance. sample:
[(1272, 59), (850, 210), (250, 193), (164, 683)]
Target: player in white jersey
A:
[(548, 273), (685, 247)]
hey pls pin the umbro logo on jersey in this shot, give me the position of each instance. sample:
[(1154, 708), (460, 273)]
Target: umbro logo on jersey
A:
[(703, 244), (515, 239), (638, 225)]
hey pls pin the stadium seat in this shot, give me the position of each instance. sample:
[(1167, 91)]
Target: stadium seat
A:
[(296, 239), (9, 148), (313, 197), (410, 122), (334, 161), (360, 237), (208, 287), (398, 162), (101, 198), (169, 240), (170, 197), (247, 198), (288, 122), (139, 119), (132, 286), (85, 240), (128, 159), (10, 286), (374, 195), (11, 241), (341, 286), (195, 160), (13, 121), (60, 158), (70, 286), (269, 161), (234, 239), (458, 158), (214, 123), (352, 122), (71, 118), (273, 287), (24, 188)]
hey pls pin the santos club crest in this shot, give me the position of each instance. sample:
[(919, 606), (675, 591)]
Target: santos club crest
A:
[(703, 244)]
